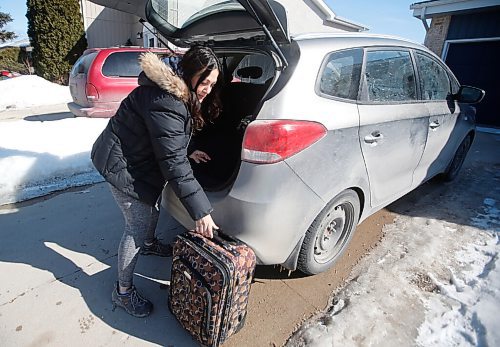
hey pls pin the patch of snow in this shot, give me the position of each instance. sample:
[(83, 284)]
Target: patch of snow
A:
[(37, 158), (466, 312), (490, 217), (31, 90), (430, 282)]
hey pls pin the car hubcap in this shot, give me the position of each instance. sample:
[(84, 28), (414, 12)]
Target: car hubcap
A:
[(336, 230)]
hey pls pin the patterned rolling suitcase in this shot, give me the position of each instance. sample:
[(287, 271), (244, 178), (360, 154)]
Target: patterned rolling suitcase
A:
[(209, 287)]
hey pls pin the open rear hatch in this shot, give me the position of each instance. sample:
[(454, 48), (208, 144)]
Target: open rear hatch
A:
[(184, 22)]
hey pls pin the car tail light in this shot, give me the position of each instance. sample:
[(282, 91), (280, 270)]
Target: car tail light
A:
[(270, 141), (91, 92)]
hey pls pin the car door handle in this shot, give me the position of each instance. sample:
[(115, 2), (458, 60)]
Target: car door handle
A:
[(434, 125), (373, 137)]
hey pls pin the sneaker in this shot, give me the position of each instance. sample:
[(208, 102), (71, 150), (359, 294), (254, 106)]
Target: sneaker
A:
[(132, 302), (157, 248)]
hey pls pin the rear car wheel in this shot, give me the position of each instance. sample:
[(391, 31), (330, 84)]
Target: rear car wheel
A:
[(456, 163), (329, 234)]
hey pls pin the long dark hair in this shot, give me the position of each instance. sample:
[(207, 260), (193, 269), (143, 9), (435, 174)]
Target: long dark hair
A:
[(200, 60)]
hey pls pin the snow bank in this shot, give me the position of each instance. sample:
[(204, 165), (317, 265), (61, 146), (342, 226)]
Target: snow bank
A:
[(433, 281), (466, 311), (37, 158), (27, 91)]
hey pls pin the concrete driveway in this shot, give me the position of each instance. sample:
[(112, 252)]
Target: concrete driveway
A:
[(58, 258), (37, 113), (58, 266)]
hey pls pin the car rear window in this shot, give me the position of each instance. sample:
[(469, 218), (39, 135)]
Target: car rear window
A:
[(341, 73), (122, 64), (83, 63)]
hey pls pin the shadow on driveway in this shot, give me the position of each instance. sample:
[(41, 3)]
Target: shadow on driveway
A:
[(478, 181), (69, 242), (49, 117)]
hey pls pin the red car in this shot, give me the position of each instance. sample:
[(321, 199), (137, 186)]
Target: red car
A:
[(102, 77), (4, 74)]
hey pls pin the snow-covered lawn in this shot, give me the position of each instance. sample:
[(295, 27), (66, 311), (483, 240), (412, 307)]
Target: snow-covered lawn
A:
[(38, 157), (28, 91)]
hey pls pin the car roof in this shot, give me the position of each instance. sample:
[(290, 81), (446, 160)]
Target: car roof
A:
[(359, 39), (126, 49)]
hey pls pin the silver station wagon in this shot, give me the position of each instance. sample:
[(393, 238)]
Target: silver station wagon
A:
[(318, 131)]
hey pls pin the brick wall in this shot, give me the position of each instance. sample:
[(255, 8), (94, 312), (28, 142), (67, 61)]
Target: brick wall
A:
[(435, 37)]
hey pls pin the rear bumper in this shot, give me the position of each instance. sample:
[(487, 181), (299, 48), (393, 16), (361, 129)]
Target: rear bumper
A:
[(102, 111), (269, 208)]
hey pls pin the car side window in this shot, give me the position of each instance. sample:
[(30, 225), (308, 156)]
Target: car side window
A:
[(122, 64), (434, 81), (340, 74), (455, 86), (390, 76)]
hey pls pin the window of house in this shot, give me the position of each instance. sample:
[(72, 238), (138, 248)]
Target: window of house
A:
[(340, 74), (122, 64), (389, 76), (434, 81)]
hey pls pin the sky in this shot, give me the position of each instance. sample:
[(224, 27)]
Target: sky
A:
[(391, 17)]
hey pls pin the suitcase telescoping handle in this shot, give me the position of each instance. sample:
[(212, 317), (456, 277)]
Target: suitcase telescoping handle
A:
[(221, 237)]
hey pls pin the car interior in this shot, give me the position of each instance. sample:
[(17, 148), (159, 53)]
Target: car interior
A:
[(247, 77)]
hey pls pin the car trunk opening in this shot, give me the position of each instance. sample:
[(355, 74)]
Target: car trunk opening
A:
[(247, 77)]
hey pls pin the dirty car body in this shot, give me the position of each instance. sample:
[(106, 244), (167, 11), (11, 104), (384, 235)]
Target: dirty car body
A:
[(318, 131)]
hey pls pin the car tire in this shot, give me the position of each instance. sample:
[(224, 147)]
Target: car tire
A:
[(456, 163), (329, 233)]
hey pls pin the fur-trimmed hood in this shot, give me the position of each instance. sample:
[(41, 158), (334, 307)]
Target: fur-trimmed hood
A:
[(163, 76)]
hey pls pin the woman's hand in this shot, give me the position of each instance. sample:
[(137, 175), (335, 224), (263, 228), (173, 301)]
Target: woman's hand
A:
[(205, 226), (199, 156)]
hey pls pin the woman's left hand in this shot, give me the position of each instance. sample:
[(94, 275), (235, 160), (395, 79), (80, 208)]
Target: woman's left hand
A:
[(200, 156)]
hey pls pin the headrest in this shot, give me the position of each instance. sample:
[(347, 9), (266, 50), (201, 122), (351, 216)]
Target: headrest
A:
[(253, 72)]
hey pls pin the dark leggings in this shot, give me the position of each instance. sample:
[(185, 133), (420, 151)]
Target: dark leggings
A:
[(140, 224)]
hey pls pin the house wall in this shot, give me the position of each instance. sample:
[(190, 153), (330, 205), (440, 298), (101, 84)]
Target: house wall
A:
[(304, 16), (475, 25), (435, 37), (471, 50), (106, 27)]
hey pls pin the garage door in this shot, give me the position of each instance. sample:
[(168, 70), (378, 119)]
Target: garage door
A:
[(477, 64)]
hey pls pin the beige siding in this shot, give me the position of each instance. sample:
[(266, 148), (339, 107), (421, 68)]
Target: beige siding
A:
[(304, 16), (106, 27)]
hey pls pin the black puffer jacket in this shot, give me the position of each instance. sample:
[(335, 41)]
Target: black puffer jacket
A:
[(145, 144)]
